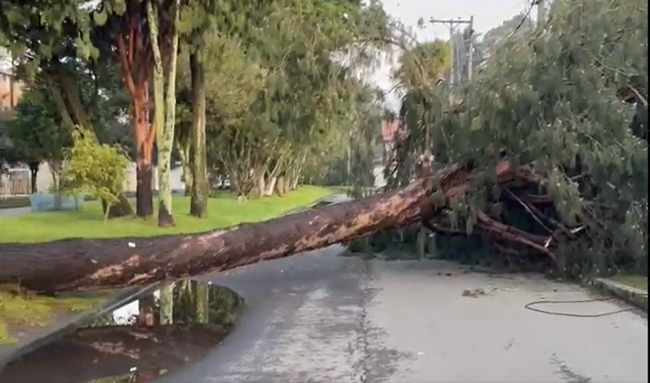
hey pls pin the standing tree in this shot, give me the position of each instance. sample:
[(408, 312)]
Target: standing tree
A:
[(54, 48), (119, 28), (37, 133), (197, 21), (163, 35)]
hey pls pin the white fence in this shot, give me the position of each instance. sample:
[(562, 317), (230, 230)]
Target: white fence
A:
[(17, 181)]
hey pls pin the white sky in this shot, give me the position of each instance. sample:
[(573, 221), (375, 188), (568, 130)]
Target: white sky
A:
[(487, 15)]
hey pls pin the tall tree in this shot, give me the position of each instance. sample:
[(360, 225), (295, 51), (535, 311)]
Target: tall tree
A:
[(163, 19), (121, 27), (196, 23)]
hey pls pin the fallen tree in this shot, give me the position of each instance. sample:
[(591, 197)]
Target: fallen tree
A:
[(580, 199), (88, 264), (550, 98)]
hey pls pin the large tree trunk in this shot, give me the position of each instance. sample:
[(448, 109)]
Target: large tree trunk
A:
[(135, 64), (121, 209), (198, 161), (165, 218), (33, 169), (184, 153), (102, 352), (112, 263), (144, 182), (144, 140), (165, 105)]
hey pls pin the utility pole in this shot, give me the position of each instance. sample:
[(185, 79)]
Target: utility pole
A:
[(470, 48), (541, 13), (452, 24)]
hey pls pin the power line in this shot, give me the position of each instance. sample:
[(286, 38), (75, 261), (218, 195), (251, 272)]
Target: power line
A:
[(523, 19)]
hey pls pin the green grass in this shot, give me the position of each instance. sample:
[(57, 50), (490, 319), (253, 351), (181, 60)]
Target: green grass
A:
[(223, 211), (638, 281), (21, 312)]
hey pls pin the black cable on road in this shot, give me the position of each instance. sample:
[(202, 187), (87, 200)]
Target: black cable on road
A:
[(529, 306)]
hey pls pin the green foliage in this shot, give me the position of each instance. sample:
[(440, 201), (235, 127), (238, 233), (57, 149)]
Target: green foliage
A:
[(95, 169), (36, 130), (423, 65), (552, 99), (278, 105)]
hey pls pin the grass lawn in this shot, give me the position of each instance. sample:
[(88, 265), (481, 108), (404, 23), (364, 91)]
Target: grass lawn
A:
[(638, 281), (223, 211)]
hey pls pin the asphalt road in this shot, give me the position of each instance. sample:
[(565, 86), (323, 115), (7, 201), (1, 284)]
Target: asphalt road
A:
[(321, 318)]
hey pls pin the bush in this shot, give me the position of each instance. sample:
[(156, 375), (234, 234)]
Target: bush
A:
[(95, 169)]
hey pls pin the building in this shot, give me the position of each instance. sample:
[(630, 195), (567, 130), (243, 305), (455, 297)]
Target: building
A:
[(10, 90), (389, 131)]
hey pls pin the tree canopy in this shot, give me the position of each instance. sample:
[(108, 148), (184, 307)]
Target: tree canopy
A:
[(551, 100)]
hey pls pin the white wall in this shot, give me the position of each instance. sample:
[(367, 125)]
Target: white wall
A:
[(44, 181)]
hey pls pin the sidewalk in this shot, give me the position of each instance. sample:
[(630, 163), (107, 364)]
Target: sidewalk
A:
[(630, 294), (14, 212)]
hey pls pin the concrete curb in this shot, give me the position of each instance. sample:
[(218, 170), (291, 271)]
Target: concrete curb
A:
[(629, 294), (51, 333)]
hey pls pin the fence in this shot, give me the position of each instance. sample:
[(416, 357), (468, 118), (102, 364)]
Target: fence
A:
[(15, 182)]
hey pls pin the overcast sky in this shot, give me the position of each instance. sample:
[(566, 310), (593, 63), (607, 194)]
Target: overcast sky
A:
[(487, 15)]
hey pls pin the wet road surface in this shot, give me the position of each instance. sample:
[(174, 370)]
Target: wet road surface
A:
[(321, 318)]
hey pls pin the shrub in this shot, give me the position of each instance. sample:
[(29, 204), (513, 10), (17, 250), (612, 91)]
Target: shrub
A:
[(95, 169)]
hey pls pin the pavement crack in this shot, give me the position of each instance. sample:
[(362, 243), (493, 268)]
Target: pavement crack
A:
[(566, 373), (363, 365)]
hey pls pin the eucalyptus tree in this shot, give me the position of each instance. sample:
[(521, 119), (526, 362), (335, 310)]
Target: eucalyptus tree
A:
[(119, 29), (551, 99), (276, 92), (163, 20), (198, 20)]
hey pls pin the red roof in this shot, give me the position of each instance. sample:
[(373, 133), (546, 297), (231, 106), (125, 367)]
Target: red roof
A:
[(389, 130)]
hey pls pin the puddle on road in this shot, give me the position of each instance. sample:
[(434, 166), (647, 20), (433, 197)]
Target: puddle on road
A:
[(146, 338)]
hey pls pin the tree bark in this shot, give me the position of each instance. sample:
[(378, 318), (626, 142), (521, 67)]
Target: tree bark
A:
[(184, 153), (135, 64), (121, 209), (102, 352), (198, 154), (33, 169), (164, 103), (93, 264)]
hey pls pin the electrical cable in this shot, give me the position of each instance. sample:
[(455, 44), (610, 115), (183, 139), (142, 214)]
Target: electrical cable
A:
[(529, 306), (523, 19)]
